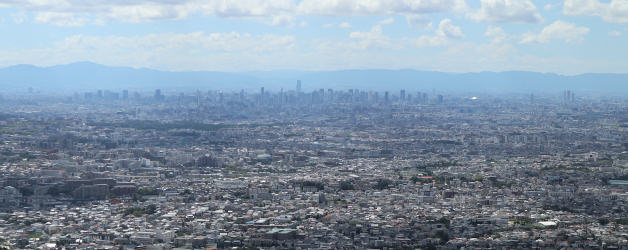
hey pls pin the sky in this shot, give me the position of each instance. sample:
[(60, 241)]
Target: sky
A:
[(565, 37)]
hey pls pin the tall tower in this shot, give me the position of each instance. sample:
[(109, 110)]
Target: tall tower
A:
[(298, 86), (158, 95), (261, 97)]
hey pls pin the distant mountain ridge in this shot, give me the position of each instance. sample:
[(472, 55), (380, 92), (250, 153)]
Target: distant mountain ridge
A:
[(87, 76)]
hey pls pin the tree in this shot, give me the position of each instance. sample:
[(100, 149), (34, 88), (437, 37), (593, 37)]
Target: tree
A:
[(383, 184), (443, 236), (414, 179), (54, 191), (346, 185)]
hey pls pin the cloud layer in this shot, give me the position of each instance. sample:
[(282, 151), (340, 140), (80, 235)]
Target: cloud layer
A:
[(615, 11), (275, 12), (558, 30)]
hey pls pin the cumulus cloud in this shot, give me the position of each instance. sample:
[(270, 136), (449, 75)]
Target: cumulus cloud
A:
[(273, 12), (279, 12), (344, 25), (497, 34), (615, 11), (518, 11), (558, 30), (60, 19), (419, 21), (378, 7), (284, 20), (373, 39), (170, 51), (446, 31), (276, 12)]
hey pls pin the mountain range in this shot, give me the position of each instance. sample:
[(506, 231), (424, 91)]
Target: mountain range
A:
[(87, 76)]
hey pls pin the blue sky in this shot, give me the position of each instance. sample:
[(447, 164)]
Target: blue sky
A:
[(565, 37)]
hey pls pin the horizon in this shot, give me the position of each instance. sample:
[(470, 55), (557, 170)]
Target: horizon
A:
[(89, 76), (305, 70)]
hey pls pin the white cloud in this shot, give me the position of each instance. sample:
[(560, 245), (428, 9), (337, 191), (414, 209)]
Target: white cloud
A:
[(373, 39), (60, 19), (431, 41), (446, 29), (518, 11), (583, 7), (445, 32), (273, 11), (419, 21), (378, 7), (615, 11), (387, 21), (227, 51), (344, 25), (497, 34), (284, 20), (558, 30), (169, 51), (614, 33)]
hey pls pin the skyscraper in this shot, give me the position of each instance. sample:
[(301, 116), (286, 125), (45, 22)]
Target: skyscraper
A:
[(261, 97), (158, 95), (298, 86)]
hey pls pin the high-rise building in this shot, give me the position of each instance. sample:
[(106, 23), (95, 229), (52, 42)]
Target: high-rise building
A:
[(158, 95), (125, 94), (298, 86), (531, 98), (261, 95), (330, 95), (386, 97), (402, 95), (321, 95)]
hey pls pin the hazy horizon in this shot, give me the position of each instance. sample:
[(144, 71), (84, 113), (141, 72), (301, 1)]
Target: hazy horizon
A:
[(87, 76)]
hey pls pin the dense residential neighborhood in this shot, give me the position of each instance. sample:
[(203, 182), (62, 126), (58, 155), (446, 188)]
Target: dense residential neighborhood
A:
[(324, 169)]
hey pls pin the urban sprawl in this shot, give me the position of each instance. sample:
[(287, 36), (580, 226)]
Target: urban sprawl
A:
[(315, 169)]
